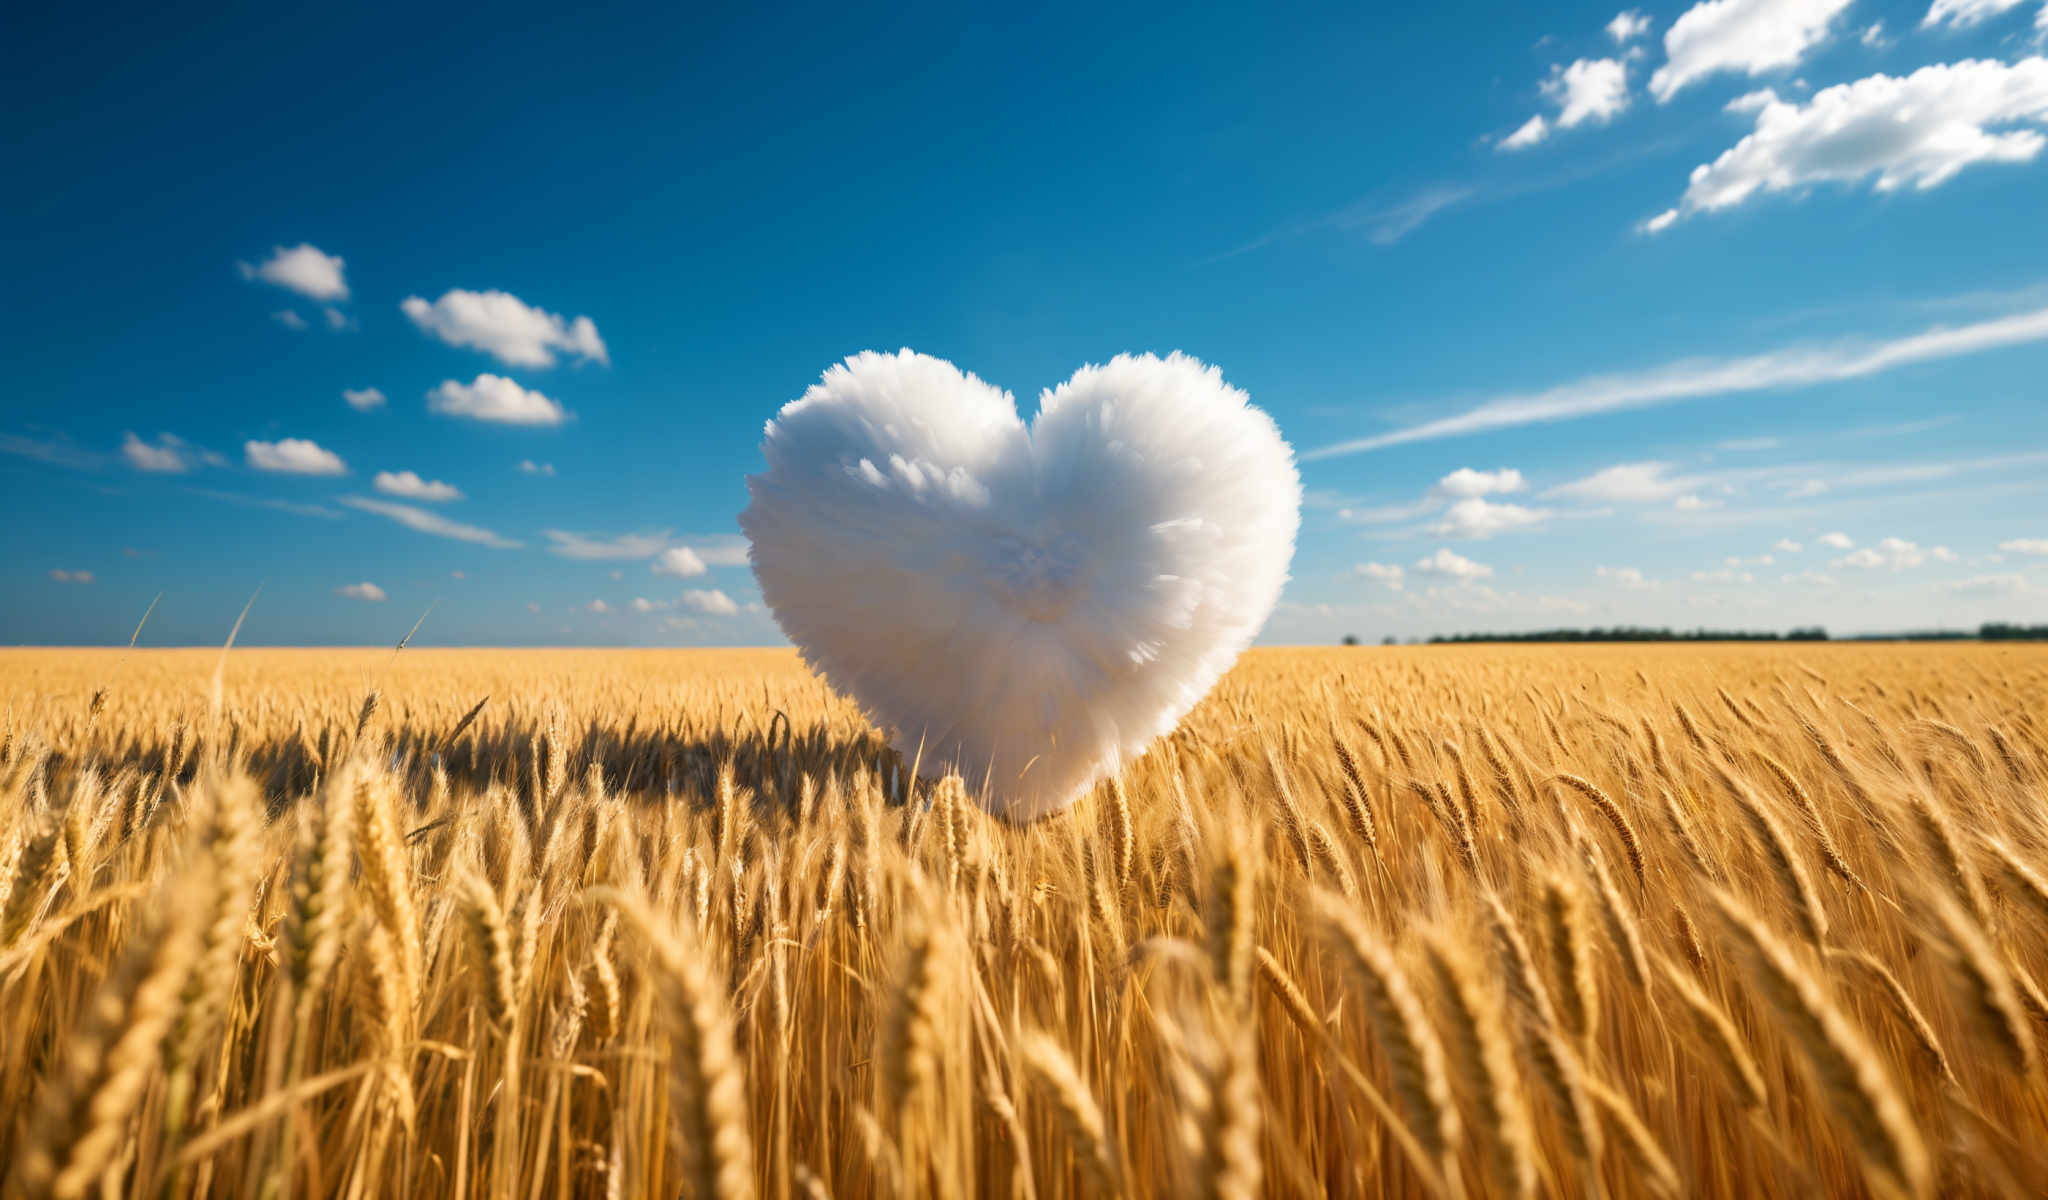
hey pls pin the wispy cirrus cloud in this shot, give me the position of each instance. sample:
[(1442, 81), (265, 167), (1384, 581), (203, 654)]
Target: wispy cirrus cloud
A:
[(293, 507), (1698, 378), (598, 547), (421, 520)]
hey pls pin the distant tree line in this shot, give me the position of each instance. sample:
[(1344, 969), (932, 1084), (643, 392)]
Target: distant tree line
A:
[(1993, 631), (1636, 633)]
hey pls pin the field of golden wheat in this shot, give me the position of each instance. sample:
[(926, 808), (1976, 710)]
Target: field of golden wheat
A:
[(1452, 922)]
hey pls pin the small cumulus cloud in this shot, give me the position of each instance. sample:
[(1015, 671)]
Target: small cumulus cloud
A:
[(1466, 482), (1452, 565), (363, 399), (1627, 26), (710, 602), (1479, 519), (1631, 578), (63, 576), (409, 485), (304, 269), (1835, 541), (2034, 546), (1389, 574), (680, 561), (642, 604), (529, 467), (1590, 89), (293, 456), (289, 319), (169, 455), (497, 399), (1786, 546), (598, 606), (361, 591), (1898, 554), (506, 327)]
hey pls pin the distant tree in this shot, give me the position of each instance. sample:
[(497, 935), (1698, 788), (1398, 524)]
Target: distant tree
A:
[(1390, 640), (1351, 639)]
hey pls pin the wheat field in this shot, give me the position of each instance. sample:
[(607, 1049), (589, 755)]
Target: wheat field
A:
[(1448, 922)]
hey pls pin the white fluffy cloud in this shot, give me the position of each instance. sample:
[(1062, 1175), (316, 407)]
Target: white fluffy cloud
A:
[(363, 399), (1750, 36), (2036, 546), (1835, 541), (1447, 562), (412, 487), (529, 467), (1895, 553), (506, 327), (423, 521), (170, 455), (711, 602), (293, 456), (63, 576), (1590, 89), (495, 398), (1479, 518), (1387, 573), (303, 269), (1467, 482), (1627, 26), (361, 591), (599, 607), (642, 604), (1527, 134), (289, 319), (1786, 546), (1917, 131), (1961, 14), (624, 546), (680, 561)]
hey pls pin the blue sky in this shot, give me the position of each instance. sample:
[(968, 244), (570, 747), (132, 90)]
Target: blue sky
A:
[(1761, 276)]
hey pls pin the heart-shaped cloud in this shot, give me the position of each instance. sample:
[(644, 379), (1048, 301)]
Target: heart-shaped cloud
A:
[(1028, 605)]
